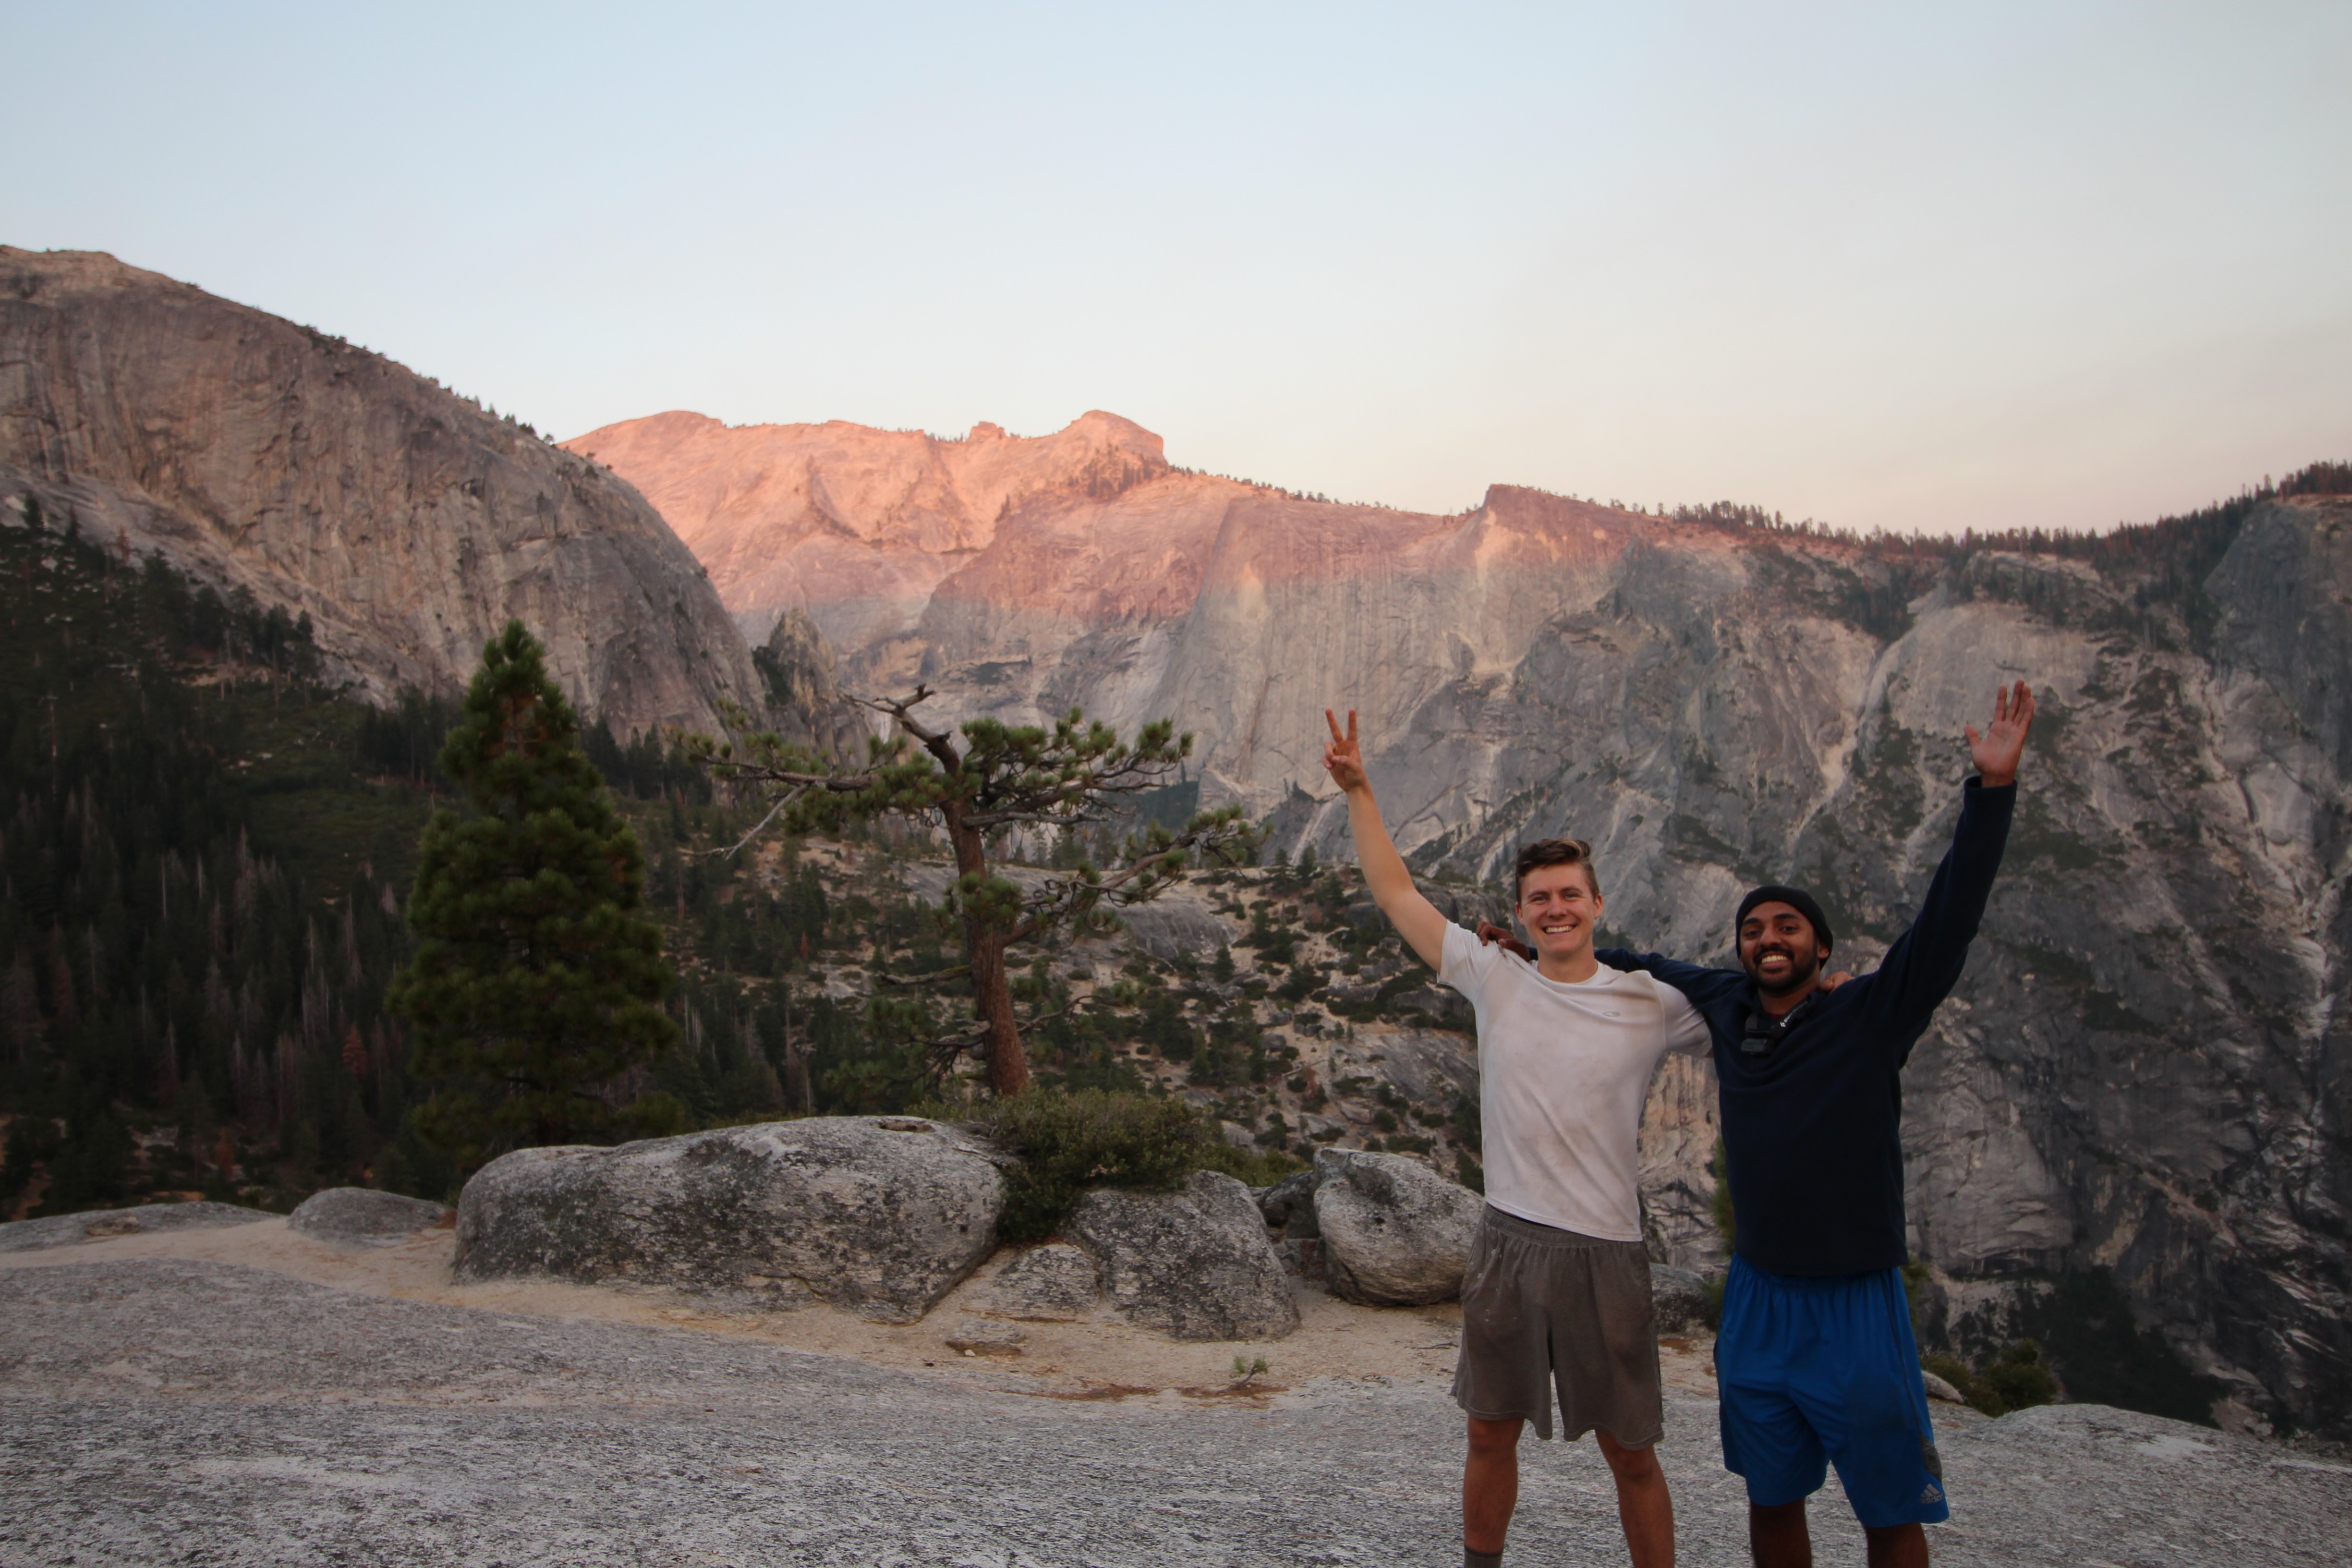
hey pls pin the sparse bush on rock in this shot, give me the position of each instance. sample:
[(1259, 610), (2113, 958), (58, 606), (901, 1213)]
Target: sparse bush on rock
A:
[(2015, 1379), (1068, 1142)]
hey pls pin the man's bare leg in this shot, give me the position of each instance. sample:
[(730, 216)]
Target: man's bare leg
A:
[(1645, 1506), (1898, 1546), (1777, 1537), (1490, 1483)]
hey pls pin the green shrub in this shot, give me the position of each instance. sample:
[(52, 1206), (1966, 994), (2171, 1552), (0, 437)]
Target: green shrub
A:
[(1069, 1141), (1956, 1372), (2016, 1379), (1711, 1300), (1251, 1167)]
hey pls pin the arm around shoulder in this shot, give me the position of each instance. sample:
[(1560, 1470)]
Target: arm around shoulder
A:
[(1696, 981)]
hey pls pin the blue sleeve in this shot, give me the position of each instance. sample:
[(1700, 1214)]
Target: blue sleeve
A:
[(1701, 984), (1926, 961)]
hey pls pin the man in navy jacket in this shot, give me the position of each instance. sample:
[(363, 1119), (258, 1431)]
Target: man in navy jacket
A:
[(1814, 1357)]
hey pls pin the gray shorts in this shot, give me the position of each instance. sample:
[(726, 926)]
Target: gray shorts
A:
[(1545, 1308)]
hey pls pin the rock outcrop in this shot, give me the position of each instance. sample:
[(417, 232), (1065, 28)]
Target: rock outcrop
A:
[(407, 522), (1195, 1263), (364, 1216), (101, 1224), (2142, 1069), (864, 528), (796, 668), (1394, 1232), (881, 1217), (1055, 1283), (1680, 1297)]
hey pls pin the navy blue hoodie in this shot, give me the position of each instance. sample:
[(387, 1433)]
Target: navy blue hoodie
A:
[(1812, 1129)]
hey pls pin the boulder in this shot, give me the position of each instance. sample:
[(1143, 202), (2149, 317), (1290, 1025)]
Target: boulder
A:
[(1938, 1389), (66, 1229), (1050, 1284), (1288, 1205), (1395, 1233), (1194, 1263), (364, 1216), (1681, 1297), (878, 1215)]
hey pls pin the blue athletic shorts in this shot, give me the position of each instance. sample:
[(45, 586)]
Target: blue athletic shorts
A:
[(1819, 1371)]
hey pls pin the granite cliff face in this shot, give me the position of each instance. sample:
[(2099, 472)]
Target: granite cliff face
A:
[(2148, 1067), (408, 523)]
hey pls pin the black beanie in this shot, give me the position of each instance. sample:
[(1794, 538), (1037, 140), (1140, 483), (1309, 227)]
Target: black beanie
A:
[(1796, 899)]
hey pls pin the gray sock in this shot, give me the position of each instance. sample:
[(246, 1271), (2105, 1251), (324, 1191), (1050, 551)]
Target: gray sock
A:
[(1481, 1559)]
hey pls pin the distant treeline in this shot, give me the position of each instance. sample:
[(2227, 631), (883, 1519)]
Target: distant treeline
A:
[(404, 741), (2157, 569), (204, 857), (2191, 537), (152, 957)]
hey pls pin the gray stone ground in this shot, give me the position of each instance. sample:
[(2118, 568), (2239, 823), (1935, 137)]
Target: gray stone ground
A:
[(73, 1229), (162, 1411)]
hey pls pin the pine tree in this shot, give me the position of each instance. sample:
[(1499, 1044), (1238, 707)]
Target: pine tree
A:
[(537, 984), (1000, 778)]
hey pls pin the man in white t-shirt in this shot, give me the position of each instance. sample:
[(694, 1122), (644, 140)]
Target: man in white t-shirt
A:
[(1557, 1296)]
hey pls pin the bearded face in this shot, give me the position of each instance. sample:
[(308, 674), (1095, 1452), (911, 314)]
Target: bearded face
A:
[(1779, 949)]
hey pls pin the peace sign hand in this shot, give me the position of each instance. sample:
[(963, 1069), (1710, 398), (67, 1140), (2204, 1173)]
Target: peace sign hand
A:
[(1343, 758)]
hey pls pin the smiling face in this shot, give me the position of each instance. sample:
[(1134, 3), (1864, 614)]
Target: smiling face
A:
[(1558, 907), (1778, 950)]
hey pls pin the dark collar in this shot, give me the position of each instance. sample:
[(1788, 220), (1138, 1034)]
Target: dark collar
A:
[(1764, 1031)]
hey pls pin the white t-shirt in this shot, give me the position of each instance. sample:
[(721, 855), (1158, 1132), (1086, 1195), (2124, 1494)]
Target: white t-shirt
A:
[(1562, 1074)]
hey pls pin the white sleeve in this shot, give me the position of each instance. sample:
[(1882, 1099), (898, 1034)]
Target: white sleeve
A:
[(1467, 962), (1686, 1032)]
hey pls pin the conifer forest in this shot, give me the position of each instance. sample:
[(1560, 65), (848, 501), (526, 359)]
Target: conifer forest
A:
[(207, 853)]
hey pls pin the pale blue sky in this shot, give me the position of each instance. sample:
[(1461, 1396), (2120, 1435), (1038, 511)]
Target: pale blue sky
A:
[(1889, 264)]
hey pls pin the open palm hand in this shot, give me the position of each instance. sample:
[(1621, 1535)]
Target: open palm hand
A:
[(1997, 752)]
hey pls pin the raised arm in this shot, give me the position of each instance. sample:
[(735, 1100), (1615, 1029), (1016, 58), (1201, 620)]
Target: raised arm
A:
[(1925, 963), (1414, 917)]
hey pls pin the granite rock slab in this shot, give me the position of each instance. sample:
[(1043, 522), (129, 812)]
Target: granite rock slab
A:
[(365, 1214), (1055, 1283), (167, 1411), (877, 1215), (1395, 1233), (100, 1224), (1195, 1263)]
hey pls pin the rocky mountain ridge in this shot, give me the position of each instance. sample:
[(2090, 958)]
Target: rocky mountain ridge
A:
[(2146, 1072), (408, 523)]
